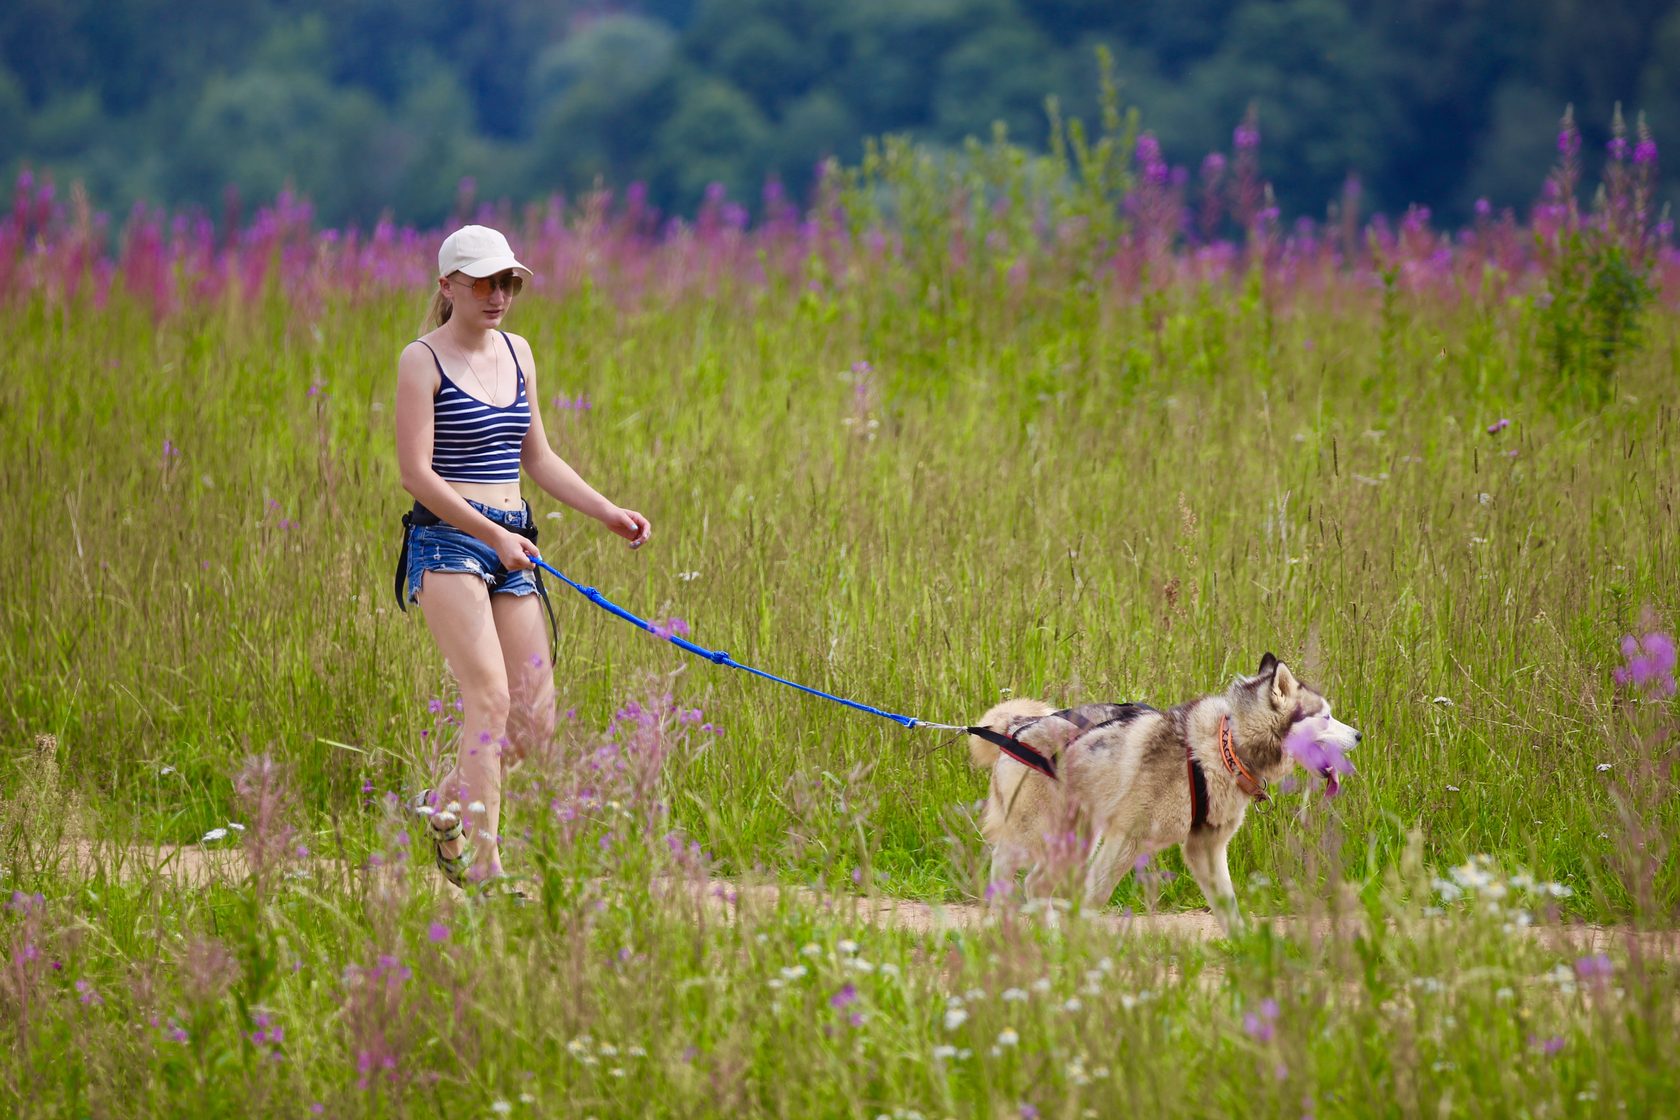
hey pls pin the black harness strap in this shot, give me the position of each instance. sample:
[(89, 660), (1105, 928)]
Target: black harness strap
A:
[(1089, 717), (1017, 750), (420, 515), (1198, 790), (1085, 719)]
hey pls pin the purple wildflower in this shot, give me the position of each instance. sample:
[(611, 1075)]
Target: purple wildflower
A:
[(437, 933), (1650, 663), (844, 998), (1259, 1023), (1547, 1046), (1594, 970), (1246, 137), (1305, 744), (1498, 426), (1645, 153), (671, 627)]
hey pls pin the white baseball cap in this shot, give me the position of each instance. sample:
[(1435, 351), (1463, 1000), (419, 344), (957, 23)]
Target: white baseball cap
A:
[(478, 251)]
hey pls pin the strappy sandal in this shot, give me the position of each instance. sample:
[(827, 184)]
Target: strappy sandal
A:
[(502, 886), (444, 827)]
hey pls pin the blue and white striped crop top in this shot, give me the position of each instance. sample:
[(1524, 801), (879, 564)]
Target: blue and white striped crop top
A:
[(473, 441)]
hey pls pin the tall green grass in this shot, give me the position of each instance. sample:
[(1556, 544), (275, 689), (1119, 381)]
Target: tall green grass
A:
[(923, 499), (1061, 497)]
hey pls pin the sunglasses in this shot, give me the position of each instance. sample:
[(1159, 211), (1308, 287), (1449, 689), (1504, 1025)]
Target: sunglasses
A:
[(510, 282)]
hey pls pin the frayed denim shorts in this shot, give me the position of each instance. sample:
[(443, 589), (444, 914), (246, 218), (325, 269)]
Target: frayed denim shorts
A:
[(444, 548)]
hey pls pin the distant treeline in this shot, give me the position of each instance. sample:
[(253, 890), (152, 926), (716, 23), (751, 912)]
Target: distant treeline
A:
[(380, 106)]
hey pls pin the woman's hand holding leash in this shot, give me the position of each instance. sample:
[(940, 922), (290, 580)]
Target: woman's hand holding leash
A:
[(630, 525), (515, 552)]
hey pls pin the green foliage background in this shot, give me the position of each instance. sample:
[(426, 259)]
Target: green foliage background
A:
[(378, 106)]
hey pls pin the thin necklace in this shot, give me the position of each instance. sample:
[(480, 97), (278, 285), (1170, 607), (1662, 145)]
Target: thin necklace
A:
[(489, 397)]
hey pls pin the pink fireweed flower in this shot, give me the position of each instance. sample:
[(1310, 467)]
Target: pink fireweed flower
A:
[(1259, 1024), (1305, 744), (1594, 971), (1498, 426), (1645, 153), (671, 627), (1569, 139), (1650, 664)]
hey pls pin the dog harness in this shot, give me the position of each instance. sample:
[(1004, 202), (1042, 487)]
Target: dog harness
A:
[(1246, 781), (1083, 719)]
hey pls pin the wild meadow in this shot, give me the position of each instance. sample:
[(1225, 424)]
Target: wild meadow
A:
[(1082, 427)]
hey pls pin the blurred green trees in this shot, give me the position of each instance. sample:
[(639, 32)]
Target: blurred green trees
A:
[(376, 106)]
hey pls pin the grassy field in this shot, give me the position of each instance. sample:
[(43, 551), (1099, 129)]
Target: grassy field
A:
[(922, 497)]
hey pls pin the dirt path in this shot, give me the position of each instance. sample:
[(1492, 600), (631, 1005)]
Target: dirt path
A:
[(199, 866)]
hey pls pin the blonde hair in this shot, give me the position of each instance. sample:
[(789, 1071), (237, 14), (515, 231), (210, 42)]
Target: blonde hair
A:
[(438, 313)]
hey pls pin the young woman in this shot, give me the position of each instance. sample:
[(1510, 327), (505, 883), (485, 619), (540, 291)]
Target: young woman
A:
[(466, 427)]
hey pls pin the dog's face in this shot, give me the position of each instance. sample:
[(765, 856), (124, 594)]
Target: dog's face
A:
[(1299, 716)]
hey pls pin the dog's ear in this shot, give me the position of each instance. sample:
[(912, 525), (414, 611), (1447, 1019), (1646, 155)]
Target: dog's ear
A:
[(1284, 686), (1267, 664)]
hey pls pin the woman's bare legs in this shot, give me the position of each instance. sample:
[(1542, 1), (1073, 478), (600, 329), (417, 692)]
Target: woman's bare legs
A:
[(522, 628), (458, 612)]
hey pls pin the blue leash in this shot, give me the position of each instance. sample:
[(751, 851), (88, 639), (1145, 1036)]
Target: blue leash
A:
[(718, 657)]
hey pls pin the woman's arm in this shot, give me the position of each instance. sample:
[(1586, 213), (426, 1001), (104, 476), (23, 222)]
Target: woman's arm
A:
[(417, 384), (557, 477)]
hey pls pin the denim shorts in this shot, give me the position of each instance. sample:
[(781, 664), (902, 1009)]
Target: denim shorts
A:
[(444, 548)]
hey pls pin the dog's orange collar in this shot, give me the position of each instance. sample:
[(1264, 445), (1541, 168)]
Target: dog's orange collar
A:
[(1246, 781)]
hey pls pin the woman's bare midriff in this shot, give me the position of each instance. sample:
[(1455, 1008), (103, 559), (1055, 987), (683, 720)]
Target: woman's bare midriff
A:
[(502, 495)]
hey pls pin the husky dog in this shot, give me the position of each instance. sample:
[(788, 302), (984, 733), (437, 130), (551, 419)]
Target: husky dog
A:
[(1136, 780)]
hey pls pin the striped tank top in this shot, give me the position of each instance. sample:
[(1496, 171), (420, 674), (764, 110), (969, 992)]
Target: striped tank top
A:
[(473, 441)]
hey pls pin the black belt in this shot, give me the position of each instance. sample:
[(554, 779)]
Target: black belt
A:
[(420, 516)]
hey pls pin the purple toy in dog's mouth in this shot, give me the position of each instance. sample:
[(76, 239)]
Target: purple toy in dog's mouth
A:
[(1306, 745)]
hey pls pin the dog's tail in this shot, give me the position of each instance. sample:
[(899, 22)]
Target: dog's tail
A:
[(985, 754)]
